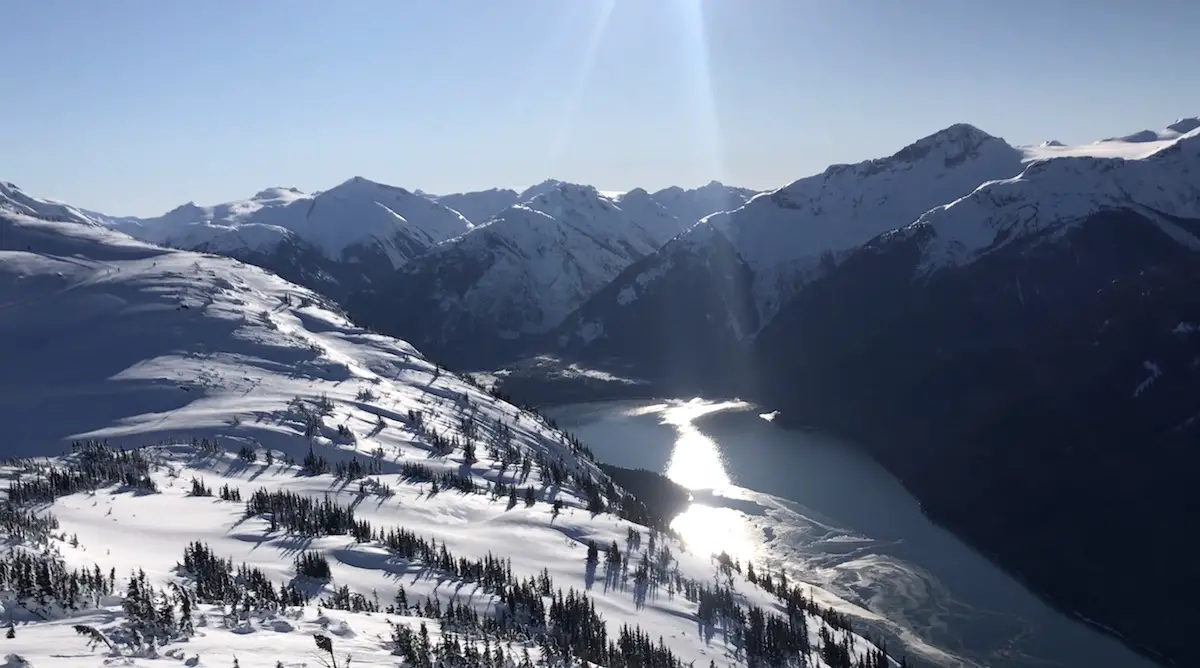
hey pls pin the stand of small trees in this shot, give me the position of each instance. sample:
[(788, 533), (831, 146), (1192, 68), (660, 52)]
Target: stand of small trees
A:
[(313, 565), (92, 465)]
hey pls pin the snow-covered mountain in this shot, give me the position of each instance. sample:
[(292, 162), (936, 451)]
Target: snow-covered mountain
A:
[(771, 244), (690, 205), (353, 218), (337, 241), (792, 235), (479, 206), (651, 215), (314, 489), (518, 275), (782, 235), (15, 200), (1051, 195)]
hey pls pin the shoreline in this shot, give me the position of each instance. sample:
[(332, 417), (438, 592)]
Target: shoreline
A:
[(591, 391)]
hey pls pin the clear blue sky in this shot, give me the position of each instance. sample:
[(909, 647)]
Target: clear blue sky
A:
[(136, 106)]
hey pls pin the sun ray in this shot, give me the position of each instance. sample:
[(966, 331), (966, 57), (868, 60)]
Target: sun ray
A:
[(574, 96), (700, 85)]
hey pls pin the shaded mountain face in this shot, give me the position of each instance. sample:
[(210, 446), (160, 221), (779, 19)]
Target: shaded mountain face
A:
[(677, 316), (788, 237), (1027, 360), (481, 206), (1042, 402), (484, 294), (690, 205)]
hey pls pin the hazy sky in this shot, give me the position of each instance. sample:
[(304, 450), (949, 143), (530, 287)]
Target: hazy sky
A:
[(136, 106)]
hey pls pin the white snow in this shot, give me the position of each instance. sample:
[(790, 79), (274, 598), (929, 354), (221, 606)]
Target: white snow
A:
[(16, 200), (1155, 373), (106, 337), (258, 641), (650, 215), (480, 206), (782, 235), (1066, 190), (1131, 147), (543, 258), (690, 205), (358, 212)]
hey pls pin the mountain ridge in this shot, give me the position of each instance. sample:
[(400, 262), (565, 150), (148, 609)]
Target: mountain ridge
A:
[(519, 275)]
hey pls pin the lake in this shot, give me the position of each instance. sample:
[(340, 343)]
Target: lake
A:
[(837, 520)]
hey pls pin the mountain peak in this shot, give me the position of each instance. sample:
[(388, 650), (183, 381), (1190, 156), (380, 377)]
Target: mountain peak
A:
[(955, 143), (563, 198), (363, 184), (189, 206), (1185, 125), (535, 190), (277, 192), (571, 191)]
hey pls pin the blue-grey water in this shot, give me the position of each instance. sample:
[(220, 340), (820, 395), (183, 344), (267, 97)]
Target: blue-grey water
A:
[(837, 520)]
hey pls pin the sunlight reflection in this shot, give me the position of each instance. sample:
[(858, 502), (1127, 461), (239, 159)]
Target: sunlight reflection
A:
[(697, 464), (706, 531), (696, 461)]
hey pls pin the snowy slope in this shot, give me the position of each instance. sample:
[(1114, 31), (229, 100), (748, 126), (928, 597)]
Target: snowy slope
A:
[(16, 200), (651, 215), (1054, 193), (258, 641), (1132, 146), (356, 217), (479, 206), (730, 273), (105, 337), (690, 205), (519, 274), (782, 235), (784, 239), (538, 189)]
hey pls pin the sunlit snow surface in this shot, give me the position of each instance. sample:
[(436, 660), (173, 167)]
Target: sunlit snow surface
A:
[(105, 337)]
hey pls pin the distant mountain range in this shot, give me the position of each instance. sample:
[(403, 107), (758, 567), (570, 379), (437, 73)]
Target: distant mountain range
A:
[(511, 266)]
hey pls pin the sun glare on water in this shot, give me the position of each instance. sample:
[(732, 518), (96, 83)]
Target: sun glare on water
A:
[(696, 463)]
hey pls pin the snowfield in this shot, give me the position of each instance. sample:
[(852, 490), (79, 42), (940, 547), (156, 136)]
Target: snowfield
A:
[(261, 642), (349, 217), (248, 387)]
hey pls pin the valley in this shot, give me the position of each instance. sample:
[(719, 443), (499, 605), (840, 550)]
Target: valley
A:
[(1008, 330), (780, 496)]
